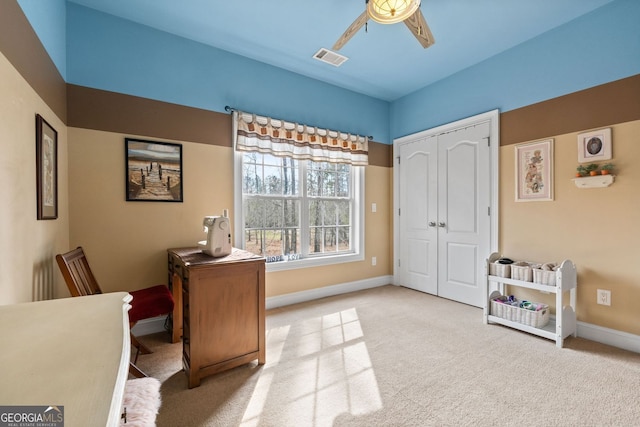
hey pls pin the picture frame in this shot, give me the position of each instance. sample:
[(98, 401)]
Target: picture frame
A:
[(46, 170), (534, 171), (153, 171), (594, 146)]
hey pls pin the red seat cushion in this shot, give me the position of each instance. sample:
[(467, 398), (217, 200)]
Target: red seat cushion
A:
[(150, 302)]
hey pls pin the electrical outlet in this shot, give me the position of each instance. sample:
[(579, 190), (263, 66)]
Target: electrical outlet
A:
[(374, 260), (604, 297)]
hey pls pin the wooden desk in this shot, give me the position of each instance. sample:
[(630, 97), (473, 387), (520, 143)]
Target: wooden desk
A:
[(71, 352), (223, 313)]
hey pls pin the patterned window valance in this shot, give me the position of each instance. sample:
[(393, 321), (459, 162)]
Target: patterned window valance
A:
[(302, 142)]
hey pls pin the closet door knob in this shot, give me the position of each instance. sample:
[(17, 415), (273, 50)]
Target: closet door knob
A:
[(441, 224), (432, 224)]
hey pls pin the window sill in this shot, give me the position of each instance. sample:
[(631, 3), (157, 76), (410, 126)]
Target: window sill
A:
[(313, 262)]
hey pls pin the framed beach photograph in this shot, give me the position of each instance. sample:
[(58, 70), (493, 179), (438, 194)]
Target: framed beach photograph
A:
[(153, 171), (46, 169), (594, 146), (534, 171)]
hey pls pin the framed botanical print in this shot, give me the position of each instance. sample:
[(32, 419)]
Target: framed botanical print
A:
[(534, 171), (46, 169)]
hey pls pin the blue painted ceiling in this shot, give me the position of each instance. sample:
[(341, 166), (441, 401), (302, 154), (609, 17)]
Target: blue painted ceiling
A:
[(385, 62)]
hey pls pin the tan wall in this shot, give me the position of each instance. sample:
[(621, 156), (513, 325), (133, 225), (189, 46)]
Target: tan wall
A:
[(596, 228), (126, 242), (27, 246)]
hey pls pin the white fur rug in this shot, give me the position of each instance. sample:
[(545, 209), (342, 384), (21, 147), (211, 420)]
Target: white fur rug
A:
[(141, 403)]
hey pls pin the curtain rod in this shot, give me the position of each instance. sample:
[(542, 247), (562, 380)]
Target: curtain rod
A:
[(231, 110)]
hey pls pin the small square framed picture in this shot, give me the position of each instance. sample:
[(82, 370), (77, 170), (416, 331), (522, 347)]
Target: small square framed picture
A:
[(594, 146), (153, 171)]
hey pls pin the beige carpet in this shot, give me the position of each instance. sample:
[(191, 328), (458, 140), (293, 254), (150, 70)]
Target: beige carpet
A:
[(391, 356)]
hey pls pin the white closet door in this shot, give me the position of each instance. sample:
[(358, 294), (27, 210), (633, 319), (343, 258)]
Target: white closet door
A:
[(444, 224), (464, 181), (418, 193)]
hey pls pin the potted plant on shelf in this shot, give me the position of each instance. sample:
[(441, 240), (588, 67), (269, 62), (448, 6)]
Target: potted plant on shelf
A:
[(581, 171), (592, 169), (606, 168)]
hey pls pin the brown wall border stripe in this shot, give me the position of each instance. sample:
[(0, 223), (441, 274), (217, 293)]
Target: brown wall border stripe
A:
[(599, 106), (380, 154), (22, 47), (116, 112)]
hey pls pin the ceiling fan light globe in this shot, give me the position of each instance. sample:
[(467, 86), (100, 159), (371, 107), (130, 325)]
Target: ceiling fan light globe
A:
[(391, 11)]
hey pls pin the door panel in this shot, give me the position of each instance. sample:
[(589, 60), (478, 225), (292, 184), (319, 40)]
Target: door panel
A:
[(460, 258), (418, 252), (463, 205), (461, 168), (418, 206)]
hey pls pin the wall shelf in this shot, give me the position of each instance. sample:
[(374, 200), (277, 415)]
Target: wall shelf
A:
[(598, 181)]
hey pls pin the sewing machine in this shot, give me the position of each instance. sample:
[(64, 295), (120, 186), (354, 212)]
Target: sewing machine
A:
[(218, 229)]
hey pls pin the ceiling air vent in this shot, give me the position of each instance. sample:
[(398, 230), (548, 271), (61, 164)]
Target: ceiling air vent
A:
[(330, 57)]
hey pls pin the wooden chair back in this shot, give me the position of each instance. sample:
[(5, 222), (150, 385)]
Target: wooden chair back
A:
[(77, 274)]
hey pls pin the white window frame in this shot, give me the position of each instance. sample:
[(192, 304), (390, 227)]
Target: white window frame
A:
[(357, 243)]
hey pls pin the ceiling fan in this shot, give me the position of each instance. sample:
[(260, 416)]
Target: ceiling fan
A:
[(391, 12)]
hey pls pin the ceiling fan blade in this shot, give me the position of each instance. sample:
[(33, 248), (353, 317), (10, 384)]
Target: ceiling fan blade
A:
[(419, 28), (351, 31)]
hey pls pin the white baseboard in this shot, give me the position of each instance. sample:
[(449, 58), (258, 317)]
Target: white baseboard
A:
[(327, 291), (608, 336)]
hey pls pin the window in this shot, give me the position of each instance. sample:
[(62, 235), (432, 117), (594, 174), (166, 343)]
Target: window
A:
[(298, 213)]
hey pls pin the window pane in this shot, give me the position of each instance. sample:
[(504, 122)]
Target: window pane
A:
[(272, 243), (251, 177), (273, 213), (329, 213), (253, 240), (272, 180), (315, 213), (344, 238), (292, 213), (342, 184), (344, 216), (291, 237), (315, 240), (290, 177), (253, 213), (329, 184), (314, 182), (330, 239)]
